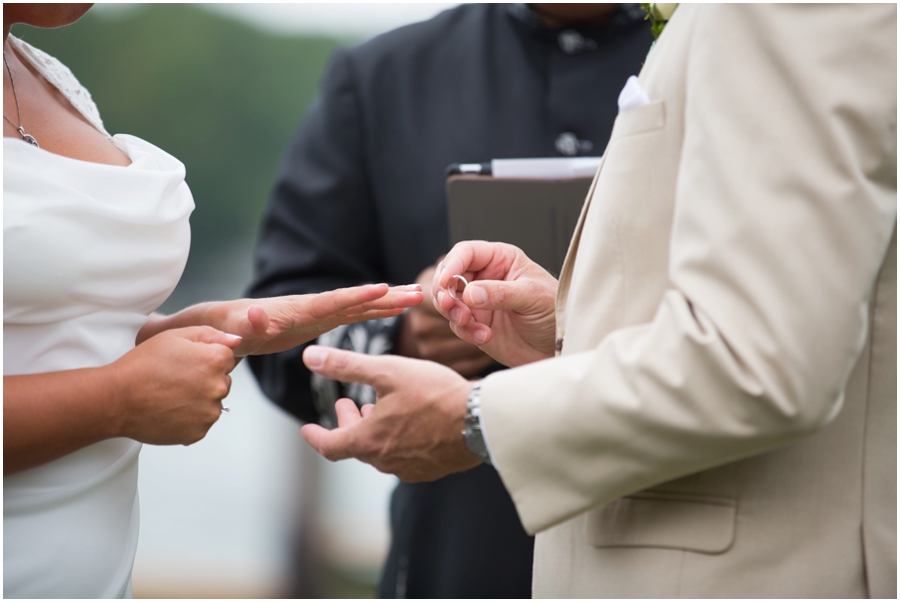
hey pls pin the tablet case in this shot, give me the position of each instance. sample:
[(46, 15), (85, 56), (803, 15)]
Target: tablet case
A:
[(538, 216)]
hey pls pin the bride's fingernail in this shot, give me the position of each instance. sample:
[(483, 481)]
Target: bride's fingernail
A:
[(440, 297), (314, 357), (455, 314), (480, 337), (233, 337)]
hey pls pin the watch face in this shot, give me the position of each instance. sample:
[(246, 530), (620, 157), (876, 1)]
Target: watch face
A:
[(472, 434), (474, 439)]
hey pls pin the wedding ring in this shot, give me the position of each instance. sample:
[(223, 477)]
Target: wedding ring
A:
[(452, 289), (224, 410)]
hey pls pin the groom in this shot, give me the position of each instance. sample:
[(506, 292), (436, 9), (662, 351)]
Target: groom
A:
[(705, 404)]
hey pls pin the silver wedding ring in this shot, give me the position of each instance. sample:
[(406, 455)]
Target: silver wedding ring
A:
[(452, 289), (224, 410)]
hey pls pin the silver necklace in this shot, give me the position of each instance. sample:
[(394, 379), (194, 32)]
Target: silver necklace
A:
[(26, 137)]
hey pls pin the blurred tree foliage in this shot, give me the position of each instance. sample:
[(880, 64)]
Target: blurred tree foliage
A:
[(220, 95)]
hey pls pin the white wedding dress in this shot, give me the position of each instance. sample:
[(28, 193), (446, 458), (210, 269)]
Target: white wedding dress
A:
[(89, 250)]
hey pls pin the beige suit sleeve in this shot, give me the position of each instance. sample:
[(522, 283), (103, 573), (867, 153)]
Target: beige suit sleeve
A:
[(785, 206)]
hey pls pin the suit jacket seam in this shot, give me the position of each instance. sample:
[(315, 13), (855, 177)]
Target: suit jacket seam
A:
[(620, 261), (873, 304)]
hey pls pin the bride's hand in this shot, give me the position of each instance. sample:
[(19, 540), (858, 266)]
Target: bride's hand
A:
[(280, 323), (169, 389)]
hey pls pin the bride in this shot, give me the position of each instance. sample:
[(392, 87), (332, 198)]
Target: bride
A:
[(95, 237)]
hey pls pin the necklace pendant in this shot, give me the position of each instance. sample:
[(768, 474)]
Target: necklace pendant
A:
[(28, 137)]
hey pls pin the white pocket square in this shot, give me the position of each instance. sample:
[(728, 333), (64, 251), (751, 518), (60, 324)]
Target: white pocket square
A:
[(632, 95)]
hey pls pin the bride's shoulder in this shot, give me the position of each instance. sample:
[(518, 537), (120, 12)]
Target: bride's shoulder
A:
[(62, 78)]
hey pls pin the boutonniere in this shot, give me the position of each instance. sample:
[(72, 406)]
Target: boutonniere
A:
[(658, 14)]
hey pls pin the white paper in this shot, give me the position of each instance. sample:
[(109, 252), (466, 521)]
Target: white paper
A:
[(551, 168)]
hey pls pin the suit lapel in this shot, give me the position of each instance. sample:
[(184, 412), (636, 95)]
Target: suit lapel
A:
[(565, 275)]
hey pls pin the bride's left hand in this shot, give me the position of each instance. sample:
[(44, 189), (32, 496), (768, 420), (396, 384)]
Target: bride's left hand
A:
[(277, 324)]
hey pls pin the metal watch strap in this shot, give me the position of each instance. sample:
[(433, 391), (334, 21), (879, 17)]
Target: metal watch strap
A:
[(472, 433)]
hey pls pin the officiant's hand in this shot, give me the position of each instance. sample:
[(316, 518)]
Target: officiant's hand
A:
[(425, 334), (277, 324), (509, 307), (414, 430)]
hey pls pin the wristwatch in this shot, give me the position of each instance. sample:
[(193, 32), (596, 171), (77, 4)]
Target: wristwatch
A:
[(472, 433)]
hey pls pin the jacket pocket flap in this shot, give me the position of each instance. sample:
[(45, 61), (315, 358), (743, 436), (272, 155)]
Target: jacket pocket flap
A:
[(638, 120), (664, 520)]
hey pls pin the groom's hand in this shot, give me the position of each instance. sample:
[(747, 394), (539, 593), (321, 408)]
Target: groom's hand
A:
[(509, 307), (426, 335), (413, 431)]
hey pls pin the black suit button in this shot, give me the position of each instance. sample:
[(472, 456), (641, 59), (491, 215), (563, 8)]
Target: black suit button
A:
[(569, 145), (570, 42)]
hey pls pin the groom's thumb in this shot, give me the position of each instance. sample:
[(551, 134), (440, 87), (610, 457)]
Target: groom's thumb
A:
[(500, 295)]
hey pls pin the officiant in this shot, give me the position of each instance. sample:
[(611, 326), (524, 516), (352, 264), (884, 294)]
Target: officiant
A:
[(360, 198)]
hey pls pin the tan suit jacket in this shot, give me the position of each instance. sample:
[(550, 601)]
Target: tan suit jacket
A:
[(722, 419)]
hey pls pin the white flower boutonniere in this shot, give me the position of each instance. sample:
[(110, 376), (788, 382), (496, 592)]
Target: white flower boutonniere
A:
[(659, 14)]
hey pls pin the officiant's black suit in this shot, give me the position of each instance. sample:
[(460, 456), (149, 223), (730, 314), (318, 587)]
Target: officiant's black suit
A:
[(360, 198)]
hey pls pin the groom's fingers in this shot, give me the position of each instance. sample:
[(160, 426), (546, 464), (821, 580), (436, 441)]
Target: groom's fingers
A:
[(451, 309), (334, 445), (492, 259), (347, 412), (342, 442), (466, 256), (377, 371), (473, 332)]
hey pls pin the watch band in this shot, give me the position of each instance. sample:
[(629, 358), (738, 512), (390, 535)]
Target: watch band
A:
[(472, 433)]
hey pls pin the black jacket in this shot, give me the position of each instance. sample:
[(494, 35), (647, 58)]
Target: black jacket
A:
[(360, 198)]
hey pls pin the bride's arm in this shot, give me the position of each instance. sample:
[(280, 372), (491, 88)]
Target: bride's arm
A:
[(165, 391), (280, 323)]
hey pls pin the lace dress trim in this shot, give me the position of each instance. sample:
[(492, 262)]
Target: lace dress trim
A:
[(63, 80)]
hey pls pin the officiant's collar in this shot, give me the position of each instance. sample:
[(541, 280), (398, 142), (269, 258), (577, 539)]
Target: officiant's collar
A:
[(574, 39)]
